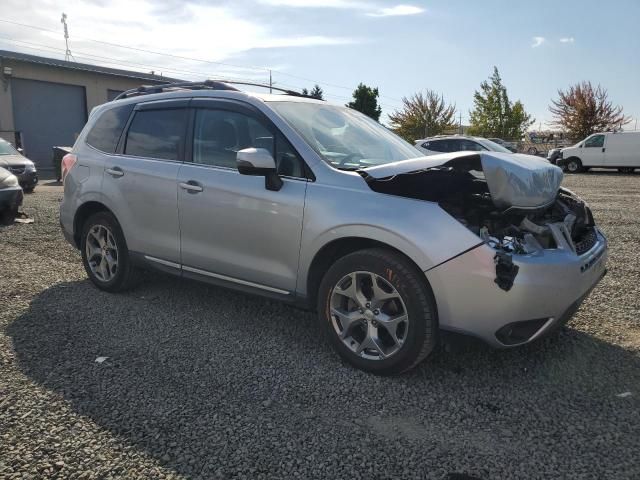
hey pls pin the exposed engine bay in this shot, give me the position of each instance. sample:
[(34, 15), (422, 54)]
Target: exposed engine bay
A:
[(565, 223), (559, 219)]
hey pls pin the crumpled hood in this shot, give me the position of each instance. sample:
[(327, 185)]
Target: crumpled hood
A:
[(513, 180)]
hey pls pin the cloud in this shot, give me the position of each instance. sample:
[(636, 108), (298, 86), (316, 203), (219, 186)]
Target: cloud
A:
[(316, 3), (184, 29), (537, 41), (567, 40), (394, 11), (398, 10)]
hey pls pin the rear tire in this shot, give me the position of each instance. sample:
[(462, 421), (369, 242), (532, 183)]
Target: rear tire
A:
[(532, 151), (105, 255), (371, 332)]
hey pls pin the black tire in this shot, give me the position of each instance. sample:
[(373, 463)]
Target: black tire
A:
[(28, 189), (626, 170), (422, 331), (126, 276), (532, 151), (573, 165), (8, 216)]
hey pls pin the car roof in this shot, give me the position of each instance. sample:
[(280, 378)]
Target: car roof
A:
[(253, 98), (447, 137)]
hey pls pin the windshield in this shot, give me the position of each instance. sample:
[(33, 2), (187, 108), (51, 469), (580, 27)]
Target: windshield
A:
[(7, 149), (493, 146), (345, 138)]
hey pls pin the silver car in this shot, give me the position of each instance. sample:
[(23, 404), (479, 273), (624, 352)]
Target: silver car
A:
[(318, 205)]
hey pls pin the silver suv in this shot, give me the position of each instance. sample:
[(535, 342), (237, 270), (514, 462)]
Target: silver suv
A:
[(319, 205)]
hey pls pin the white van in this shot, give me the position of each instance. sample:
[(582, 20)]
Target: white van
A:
[(619, 150)]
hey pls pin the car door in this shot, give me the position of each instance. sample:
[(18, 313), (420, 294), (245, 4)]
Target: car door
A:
[(140, 181), (231, 227), (593, 151)]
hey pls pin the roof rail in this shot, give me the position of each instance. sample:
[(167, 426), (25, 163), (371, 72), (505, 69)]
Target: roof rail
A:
[(205, 85)]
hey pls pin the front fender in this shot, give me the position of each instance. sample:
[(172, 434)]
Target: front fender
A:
[(421, 230)]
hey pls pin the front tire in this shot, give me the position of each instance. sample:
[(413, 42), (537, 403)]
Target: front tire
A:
[(8, 216), (573, 165), (378, 311), (105, 255)]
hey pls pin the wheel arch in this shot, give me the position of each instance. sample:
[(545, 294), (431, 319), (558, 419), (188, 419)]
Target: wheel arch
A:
[(83, 213), (336, 249)]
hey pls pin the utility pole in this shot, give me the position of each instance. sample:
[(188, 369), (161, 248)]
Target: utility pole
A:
[(426, 126), (270, 82), (460, 124), (67, 53)]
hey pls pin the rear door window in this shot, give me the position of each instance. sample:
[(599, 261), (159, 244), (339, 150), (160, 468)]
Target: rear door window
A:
[(470, 146), (438, 146), (106, 131), (157, 134)]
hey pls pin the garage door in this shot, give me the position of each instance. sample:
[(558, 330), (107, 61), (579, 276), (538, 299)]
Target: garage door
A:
[(47, 114)]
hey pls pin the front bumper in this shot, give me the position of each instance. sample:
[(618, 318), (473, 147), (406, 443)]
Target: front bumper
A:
[(548, 288), (28, 180)]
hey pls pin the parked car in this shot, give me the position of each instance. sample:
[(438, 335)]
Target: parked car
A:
[(457, 143), (619, 150), (554, 154), (23, 168), (511, 146), (539, 143), (318, 205), (10, 196)]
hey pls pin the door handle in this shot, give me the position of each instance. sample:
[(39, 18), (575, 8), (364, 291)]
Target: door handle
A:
[(603, 149), (191, 186), (115, 171)]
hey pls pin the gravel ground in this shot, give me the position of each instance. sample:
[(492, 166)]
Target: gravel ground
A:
[(201, 382)]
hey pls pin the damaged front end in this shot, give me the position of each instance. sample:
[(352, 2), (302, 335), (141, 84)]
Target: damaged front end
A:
[(514, 203)]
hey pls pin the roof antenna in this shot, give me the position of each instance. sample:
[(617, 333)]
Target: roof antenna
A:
[(67, 53)]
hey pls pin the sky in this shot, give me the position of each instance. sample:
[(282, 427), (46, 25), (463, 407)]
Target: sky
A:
[(401, 47)]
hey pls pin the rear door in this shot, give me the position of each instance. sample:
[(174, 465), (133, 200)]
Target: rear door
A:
[(232, 227), (141, 181), (593, 151)]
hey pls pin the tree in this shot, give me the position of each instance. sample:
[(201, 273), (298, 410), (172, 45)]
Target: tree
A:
[(494, 115), (422, 115), (582, 110), (316, 92), (365, 100)]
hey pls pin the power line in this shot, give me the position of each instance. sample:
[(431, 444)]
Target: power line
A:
[(181, 57), (114, 61)]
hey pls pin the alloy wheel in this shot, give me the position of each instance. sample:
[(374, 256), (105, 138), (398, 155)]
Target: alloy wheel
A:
[(102, 252), (369, 315)]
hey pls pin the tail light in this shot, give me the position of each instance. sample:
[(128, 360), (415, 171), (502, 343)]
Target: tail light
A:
[(68, 161)]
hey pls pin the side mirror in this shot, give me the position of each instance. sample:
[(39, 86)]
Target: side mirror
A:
[(258, 161)]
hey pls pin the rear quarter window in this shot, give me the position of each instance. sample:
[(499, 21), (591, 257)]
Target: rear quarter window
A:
[(106, 131)]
